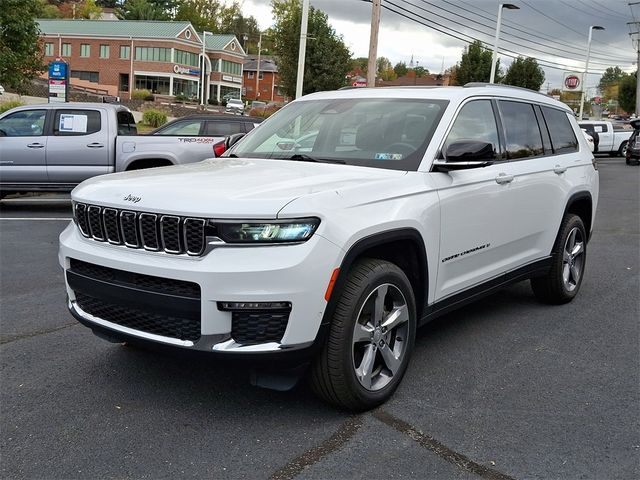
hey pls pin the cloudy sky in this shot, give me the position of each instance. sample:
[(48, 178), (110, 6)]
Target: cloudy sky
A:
[(434, 31)]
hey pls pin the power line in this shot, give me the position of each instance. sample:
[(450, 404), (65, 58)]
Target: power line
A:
[(555, 40), (507, 53), (492, 29), (617, 15)]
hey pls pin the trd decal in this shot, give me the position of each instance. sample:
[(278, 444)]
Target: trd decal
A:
[(466, 252)]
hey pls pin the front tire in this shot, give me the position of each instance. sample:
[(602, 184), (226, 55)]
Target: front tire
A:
[(563, 281), (370, 339), (622, 151)]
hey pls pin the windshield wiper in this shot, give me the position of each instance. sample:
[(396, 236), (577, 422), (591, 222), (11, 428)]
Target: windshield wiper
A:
[(303, 157)]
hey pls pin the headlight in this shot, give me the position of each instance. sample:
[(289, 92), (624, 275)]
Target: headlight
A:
[(287, 231)]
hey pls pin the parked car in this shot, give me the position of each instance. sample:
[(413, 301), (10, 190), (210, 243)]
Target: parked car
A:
[(235, 105), (608, 137), (53, 147), (409, 203), (1, 90), (633, 149)]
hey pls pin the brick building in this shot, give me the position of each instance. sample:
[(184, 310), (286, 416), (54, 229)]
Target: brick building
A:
[(117, 57), (266, 82)]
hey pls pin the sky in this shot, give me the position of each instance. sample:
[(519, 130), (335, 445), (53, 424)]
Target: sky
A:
[(554, 32)]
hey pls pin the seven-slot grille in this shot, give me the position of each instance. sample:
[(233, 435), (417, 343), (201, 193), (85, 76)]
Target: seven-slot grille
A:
[(168, 233)]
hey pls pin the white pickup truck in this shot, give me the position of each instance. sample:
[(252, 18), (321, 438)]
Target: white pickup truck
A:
[(608, 137), (54, 147)]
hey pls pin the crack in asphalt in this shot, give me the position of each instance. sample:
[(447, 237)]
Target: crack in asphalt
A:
[(441, 450), (296, 466), (4, 338)]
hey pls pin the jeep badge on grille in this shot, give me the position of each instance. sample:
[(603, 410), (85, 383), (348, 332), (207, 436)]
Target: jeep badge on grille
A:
[(132, 198)]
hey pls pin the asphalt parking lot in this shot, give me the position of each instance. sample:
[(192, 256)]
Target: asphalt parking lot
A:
[(505, 388)]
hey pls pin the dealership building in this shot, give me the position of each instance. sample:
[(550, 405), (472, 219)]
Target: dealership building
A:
[(166, 58)]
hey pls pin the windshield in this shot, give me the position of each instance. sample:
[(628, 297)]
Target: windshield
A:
[(372, 132)]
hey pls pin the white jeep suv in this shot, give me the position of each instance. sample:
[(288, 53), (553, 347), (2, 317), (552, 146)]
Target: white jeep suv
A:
[(405, 204)]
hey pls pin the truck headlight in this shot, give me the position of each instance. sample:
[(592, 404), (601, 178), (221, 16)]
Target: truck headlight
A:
[(287, 231)]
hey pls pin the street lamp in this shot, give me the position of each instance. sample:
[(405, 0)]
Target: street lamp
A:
[(203, 87), (586, 67), (494, 60)]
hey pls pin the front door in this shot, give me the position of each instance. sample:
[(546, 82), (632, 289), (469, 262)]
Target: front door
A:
[(78, 147), (23, 147)]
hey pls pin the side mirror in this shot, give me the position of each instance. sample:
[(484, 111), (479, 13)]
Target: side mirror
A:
[(466, 154), (231, 140)]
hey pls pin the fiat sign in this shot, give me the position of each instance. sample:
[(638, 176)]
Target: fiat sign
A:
[(571, 82)]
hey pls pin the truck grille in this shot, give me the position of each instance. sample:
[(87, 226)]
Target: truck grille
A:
[(148, 231)]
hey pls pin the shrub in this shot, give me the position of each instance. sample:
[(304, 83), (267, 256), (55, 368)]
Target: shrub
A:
[(213, 101), (264, 111), (154, 118), (181, 98), (9, 105), (141, 94)]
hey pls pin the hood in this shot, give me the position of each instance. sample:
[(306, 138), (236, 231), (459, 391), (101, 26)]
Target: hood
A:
[(225, 187)]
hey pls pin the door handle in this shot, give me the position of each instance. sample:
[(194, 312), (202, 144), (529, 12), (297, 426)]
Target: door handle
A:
[(95, 145), (35, 145), (504, 178), (559, 170)]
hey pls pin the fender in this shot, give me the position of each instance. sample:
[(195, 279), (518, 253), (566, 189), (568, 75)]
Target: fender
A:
[(583, 195), (375, 240)]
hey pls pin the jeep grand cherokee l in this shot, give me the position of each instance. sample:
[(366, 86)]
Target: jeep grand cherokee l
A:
[(400, 205)]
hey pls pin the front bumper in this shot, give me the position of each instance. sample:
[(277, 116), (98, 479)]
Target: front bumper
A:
[(297, 274)]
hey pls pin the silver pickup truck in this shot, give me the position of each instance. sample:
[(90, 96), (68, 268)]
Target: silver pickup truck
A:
[(54, 147)]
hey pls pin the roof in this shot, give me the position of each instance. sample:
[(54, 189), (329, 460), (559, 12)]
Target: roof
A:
[(109, 28), (219, 41), (455, 94), (266, 65)]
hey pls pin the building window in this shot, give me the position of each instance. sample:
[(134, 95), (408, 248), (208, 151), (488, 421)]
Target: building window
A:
[(85, 50), (251, 75), (231, 67), (159, 85), (188, 88), (153, 54), (104, 51), (84, 75), (187, 58), (215, 64), (125, 52), (261, 76), (66, 50), (48, 49)]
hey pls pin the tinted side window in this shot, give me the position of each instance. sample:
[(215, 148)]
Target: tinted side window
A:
[(221, 129), (563, 137), (182, 128), (126, 124), (600, 127), (475, 121), (521, 129), (76, 122), (27, 123)]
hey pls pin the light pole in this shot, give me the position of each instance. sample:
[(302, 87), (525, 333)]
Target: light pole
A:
[(494, 60), (586, 67), (204, 67)]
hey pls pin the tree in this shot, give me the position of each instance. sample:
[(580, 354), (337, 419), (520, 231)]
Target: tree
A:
[(420, 71), (526, 73), (382, 64), (88, 9), (48, 10), (401, 69), (627, 95), (359, 66), (327, 57), (20, 44), (475, 65), (388, 74), (141, 10), (611, 76)]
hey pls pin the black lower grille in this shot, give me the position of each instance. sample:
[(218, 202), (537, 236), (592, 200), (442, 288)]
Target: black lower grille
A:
[(258, 327), (164, 325), (137, 280)]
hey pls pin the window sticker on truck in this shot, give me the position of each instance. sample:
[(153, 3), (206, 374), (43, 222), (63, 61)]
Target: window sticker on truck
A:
[(73, 123)]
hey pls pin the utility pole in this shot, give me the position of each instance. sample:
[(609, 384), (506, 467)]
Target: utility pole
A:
[(373, 43), (635, 40), (303, 47), (258, 68)]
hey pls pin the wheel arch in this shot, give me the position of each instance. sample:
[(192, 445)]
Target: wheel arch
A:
[(404, 247), (581, 204), (151, 162)]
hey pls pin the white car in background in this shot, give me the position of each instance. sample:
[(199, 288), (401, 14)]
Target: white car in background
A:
[(1, 90), (235, 105)]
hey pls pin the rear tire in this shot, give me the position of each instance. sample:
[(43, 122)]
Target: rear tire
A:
[(562, 283), (622, 151), (370, 339)]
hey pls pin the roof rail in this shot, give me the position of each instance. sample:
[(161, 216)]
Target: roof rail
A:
[(484, 84)]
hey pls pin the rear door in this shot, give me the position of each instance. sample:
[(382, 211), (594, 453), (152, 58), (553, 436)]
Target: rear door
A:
[(23, 147), (188, 139), (77, 148)]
